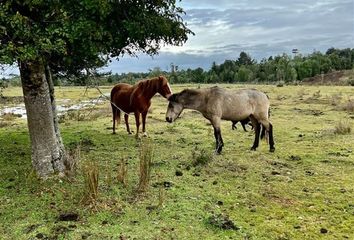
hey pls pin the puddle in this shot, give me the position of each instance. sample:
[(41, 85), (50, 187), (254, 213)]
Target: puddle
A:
[(62, 107)]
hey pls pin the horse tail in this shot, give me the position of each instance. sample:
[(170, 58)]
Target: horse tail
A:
[(265, 133), (115, 110)]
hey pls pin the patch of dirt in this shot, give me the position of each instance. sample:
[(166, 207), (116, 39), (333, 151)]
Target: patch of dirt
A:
[(69, 216), (222, 221), (31, 228)]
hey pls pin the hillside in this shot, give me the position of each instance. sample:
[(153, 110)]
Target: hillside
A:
[(339, 78)]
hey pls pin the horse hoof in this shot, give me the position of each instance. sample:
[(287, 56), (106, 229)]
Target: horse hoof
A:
[(113, 133), (253, 149), (272, 150), (145, 134)]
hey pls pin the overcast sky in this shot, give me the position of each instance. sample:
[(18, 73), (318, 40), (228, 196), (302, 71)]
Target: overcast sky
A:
[(261, 28), (224, 28)]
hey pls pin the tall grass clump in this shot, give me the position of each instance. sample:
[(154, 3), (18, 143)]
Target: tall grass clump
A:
[(122, 174), (91, 175), (343, 127), (145, 155)]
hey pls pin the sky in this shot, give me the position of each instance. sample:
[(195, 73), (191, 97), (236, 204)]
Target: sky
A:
[(224, 28)]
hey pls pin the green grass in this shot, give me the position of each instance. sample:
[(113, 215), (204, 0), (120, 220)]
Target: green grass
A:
[(306, 185)]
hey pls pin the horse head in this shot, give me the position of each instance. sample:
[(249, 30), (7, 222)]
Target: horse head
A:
[(174, 108), (163, 87)]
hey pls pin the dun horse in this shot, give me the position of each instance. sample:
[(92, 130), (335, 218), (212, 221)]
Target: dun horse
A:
[(233, 105), (136, 99)]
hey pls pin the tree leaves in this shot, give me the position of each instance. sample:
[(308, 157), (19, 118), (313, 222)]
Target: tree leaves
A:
[(73, 35)]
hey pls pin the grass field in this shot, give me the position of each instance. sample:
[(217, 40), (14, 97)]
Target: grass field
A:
[(304, 190)]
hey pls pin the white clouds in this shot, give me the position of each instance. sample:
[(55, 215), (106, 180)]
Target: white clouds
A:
[(225, 28)]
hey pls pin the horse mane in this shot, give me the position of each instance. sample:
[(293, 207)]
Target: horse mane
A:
[(144, 85), (186, 94)]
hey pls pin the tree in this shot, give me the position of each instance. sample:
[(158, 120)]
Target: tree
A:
[(244, 59), (68, 36), (243, 74)]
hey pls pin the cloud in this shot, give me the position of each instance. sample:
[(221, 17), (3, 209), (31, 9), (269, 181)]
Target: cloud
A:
[(224, 28), (262, 28)]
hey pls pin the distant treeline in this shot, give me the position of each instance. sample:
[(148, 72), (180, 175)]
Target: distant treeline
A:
[(281, 68), (246, 69)]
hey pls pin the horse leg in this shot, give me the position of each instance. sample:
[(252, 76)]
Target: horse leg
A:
[(143, 115), (269, 128), (243, 126), (217, 133), (257, 128), (137, 122), (126, 118), (114, 119), (233, 126)]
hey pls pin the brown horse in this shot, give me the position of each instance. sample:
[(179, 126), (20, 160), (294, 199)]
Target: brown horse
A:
[(136, 99)]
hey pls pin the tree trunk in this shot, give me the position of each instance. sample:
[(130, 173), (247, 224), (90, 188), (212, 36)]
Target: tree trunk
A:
[(59, 140), (47, 149)]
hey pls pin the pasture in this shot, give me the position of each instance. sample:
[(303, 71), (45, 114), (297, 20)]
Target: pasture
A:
[(304, 190)]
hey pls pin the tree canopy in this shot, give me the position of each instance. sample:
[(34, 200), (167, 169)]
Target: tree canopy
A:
[(77, 34)]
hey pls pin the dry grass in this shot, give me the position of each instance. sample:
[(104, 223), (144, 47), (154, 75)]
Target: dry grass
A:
[(4, 124), (145, 155), (317, 94), (336, 99), (122, 174), (343, 127), (161, 192), (348, 106), (10, 117), (91, 175), (301, 93), (73, 160)]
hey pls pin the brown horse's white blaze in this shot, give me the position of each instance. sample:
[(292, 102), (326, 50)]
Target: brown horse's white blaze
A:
[(218, 104), (136, 99)]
